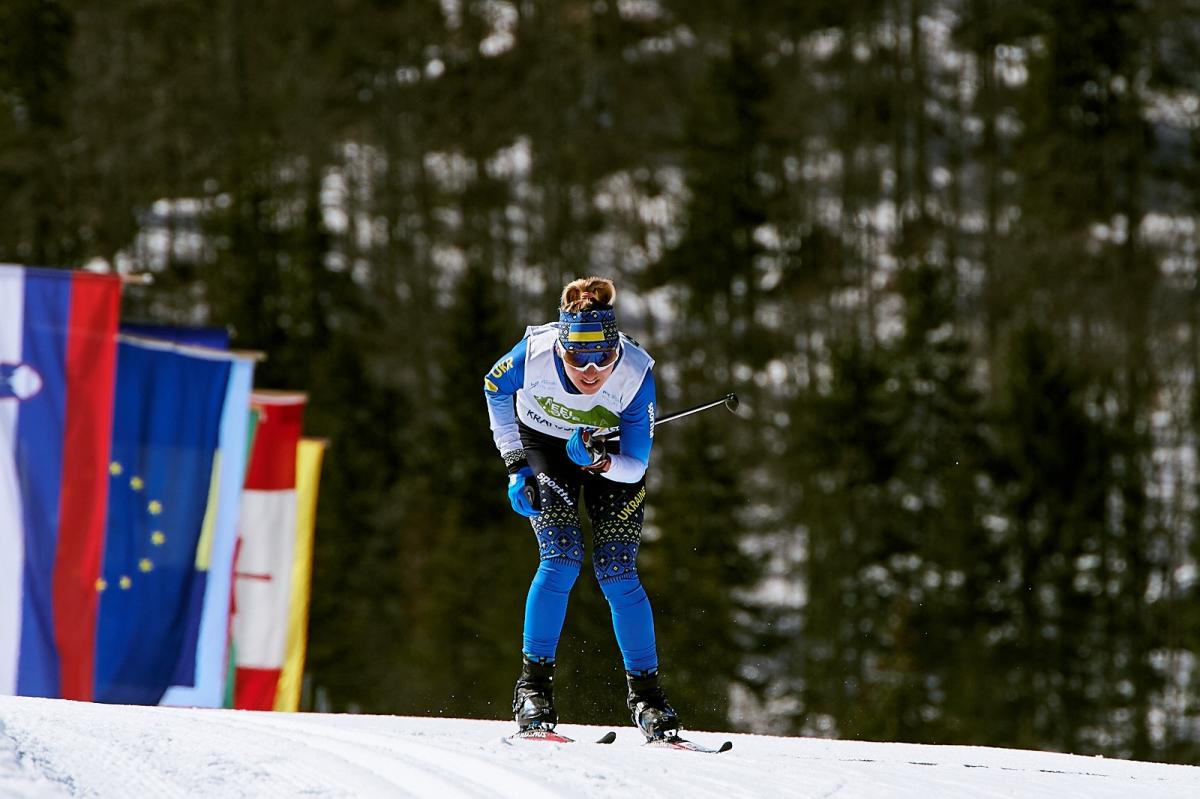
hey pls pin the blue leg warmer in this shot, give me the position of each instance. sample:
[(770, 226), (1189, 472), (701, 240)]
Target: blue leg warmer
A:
[(633, 622), (546, 606)]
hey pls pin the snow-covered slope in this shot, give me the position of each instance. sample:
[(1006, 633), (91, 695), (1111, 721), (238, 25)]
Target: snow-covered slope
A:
[(51, 748)]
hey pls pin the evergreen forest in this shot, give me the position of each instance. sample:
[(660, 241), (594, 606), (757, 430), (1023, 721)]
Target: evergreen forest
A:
[(945, 251)]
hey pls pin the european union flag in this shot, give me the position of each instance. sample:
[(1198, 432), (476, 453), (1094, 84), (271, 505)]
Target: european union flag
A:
[(165, 433), (215, 337)]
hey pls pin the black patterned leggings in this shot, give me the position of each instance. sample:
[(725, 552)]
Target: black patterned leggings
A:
[(616, 511)]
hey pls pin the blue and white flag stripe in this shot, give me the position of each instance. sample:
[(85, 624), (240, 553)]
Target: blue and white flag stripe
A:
[(39, 451), (12, 544)]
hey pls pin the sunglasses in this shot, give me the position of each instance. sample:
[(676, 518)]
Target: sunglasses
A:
[(582, 359)]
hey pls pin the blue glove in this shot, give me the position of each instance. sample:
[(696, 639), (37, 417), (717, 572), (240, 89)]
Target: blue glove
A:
[(585, 451), (523, 492)]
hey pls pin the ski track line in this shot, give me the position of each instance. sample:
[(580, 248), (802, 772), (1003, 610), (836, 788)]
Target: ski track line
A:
[(307, 770), (866, 778), (88, 753), (730, 775), (831, 792), (425, 770), (1020, 770), (142, 758), (408, 774), (19, 777)]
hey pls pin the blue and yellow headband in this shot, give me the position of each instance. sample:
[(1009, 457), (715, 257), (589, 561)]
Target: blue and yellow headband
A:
[(594, 329)]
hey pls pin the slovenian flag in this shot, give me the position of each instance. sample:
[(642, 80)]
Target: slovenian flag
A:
[(57, 355)]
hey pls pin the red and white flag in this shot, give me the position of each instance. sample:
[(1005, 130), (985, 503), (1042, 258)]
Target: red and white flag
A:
[(266, 550)]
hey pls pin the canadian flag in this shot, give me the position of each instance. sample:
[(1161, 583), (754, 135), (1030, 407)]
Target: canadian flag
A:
[(263, 572)]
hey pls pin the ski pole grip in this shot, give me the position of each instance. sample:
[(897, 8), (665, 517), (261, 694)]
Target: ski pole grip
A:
[(531, 494)]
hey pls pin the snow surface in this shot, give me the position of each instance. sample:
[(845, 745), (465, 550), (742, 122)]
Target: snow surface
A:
[(55, 748)]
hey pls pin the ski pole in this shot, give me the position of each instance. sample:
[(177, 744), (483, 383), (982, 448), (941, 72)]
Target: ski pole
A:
[(730, 401)]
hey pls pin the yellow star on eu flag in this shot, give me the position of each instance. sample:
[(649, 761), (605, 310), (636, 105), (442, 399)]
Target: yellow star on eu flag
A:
[(158, 538), (115, 469), (125, 582), (136, 483), (101, 583), (145, 565), (155, 507)]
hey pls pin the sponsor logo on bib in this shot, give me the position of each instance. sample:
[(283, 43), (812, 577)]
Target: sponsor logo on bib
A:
[(595, 417)]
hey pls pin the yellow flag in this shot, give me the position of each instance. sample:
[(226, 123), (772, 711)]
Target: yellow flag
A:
[(309, 453)]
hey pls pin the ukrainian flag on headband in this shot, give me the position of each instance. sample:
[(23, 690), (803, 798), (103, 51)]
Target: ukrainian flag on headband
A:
[(166, 428), (586, 333), (57, 351)]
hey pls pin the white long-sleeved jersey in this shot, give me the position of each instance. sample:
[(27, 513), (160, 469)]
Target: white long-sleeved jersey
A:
[(530, 384)]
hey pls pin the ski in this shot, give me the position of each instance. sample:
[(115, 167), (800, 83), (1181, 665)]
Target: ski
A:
[(550, 736), (675, 742)]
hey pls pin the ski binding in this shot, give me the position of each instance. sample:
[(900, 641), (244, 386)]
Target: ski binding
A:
[(675, 742)]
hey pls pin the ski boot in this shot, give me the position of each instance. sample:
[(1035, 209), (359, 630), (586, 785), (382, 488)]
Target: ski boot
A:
[(652, 714), (533, 698)]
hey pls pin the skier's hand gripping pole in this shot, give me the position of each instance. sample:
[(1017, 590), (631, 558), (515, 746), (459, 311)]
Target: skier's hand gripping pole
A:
[(523, 492), (526, 487), (587, 451)]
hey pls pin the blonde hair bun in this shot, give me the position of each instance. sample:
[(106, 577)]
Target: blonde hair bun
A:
[(587, 293)]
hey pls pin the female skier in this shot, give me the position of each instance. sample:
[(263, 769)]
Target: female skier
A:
[(546, 398)]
